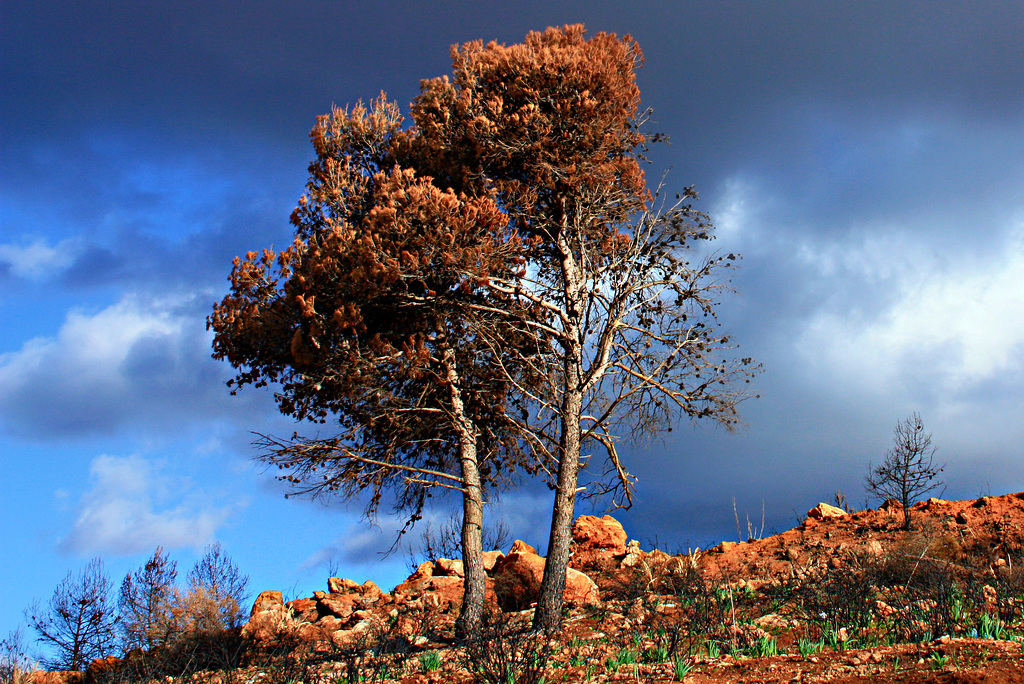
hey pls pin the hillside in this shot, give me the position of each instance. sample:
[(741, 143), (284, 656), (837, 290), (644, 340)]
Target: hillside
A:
[(842, 597)]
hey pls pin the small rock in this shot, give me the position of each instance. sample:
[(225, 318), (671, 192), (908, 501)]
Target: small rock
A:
[(519, 546), (826, 512)]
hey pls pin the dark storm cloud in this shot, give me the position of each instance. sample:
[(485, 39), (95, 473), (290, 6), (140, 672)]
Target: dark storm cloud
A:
[(866, 158)]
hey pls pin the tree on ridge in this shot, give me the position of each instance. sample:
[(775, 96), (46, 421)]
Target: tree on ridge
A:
[(552, 127), (376, 317), (909, 468)]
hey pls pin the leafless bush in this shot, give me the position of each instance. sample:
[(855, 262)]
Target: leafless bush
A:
[(446, 540), (506, 651), (704, 607), (837, 601), (15, 663)]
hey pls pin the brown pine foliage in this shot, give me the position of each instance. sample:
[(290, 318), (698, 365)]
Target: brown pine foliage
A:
[(489, 290)]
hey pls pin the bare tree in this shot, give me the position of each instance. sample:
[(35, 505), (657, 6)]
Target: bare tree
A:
[(909, 468), (15, 664), (146, 603), (78, 623)]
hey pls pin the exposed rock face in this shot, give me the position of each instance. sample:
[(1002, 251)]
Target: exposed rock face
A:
[(491, 559), (599, 544), (447, 567), (267, 600), (519, 546), (591, 532)]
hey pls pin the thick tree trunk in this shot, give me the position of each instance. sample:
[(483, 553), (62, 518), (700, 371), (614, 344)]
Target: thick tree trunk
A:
[(548, 616), (474, 582)]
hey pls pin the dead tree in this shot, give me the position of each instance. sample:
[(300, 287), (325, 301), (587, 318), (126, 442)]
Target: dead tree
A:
[(909, 469)]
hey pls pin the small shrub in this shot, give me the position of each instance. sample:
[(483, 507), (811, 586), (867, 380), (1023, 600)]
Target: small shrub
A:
[(807, 647), (430, 661), (506, 651), (765, 647), (682, 668)]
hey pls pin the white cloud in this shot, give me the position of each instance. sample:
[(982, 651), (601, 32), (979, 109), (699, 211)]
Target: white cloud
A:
[(136, 360), (950, 325), (37, 260), (132, 506)]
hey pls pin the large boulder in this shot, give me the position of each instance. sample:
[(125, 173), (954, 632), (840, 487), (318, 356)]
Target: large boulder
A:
[(269, 618), (491, 559), (267, 600), (591, 532), (518, 578)]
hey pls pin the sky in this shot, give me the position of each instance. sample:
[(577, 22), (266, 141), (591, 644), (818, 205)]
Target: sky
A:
[(865, 158)]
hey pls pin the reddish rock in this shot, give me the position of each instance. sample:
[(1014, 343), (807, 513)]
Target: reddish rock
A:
[(266, 626), (633, 555), (339, 585), (825, 512), (518, 578), (370, 591), (491, 559), (267, 600), (446, 567), (341, 605), (519, 546), (591, 532), (304, 609), (101, 666)]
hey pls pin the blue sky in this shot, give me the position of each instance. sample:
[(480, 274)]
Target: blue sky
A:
[(866, 158)]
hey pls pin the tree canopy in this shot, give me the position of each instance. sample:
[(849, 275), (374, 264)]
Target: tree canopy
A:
[(485, 291)]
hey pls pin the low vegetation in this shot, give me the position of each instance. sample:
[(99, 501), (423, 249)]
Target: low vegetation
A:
[(853, 596)]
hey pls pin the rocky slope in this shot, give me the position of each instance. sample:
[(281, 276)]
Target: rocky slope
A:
[(844, 596)]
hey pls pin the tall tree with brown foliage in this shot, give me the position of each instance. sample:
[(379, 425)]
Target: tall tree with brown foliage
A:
[(146, 603), (377, 317), (492, 281), (552, 127)]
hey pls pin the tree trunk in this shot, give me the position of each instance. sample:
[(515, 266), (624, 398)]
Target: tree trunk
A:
[(548, 616), (474, 580)]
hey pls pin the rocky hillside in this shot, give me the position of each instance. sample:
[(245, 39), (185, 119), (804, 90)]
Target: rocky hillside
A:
[(844, 596)]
